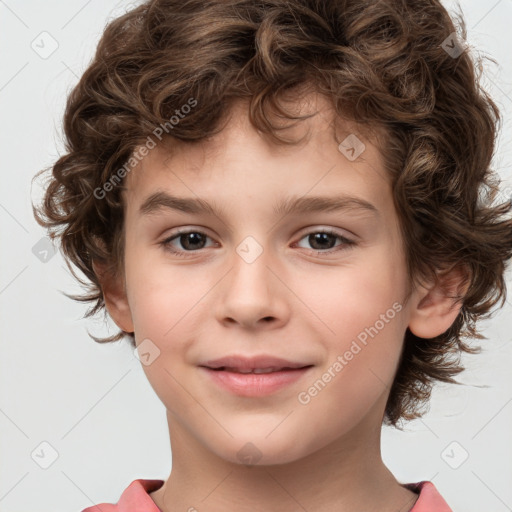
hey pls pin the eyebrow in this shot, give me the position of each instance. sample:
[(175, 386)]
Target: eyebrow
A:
[(159, 201)]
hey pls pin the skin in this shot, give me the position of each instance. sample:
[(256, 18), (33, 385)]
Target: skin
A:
[(290, 302)]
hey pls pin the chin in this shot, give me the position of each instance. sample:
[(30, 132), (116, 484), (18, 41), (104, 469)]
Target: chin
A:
[(261, 451)]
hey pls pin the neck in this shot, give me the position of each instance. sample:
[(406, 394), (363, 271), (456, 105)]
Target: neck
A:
[(346, 475)]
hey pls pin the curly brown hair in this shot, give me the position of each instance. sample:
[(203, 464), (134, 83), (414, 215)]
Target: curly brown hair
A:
[(384, 63)]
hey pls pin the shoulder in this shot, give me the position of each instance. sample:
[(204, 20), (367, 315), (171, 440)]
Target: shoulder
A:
[(135, 497), (429, 498)]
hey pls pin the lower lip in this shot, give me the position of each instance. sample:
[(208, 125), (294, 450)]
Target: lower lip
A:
[(255, 384)]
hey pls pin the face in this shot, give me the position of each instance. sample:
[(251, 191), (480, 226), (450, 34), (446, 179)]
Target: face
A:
[(318, 287)]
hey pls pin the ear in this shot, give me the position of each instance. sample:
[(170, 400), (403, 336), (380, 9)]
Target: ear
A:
[(114, 293), (435, 307)]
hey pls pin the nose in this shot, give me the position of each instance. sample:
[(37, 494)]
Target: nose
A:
[(252, 294)]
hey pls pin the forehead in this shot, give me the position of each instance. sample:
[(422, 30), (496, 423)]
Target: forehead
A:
[(241, 160)]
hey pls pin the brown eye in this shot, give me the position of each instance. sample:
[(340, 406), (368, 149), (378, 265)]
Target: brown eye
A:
[(321, 241), (325, 240), (185, 241), (191, 241)]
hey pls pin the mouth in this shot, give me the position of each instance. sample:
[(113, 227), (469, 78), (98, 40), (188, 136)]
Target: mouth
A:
[(255, 375), (257, 370), (261, 363), (256, 382)]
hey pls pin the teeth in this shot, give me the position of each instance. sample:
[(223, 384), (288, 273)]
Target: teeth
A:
[(255, 370)]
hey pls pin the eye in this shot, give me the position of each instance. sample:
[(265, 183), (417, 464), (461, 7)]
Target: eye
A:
[(190, 240), (321, 241)]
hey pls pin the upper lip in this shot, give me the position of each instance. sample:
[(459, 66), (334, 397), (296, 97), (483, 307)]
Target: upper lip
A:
[(240, 362)]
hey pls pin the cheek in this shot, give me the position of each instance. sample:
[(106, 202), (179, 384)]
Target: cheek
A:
[(358, 311), (159, 294), (350, 298)]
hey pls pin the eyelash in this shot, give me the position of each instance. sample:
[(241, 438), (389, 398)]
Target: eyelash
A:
[(347, 244)]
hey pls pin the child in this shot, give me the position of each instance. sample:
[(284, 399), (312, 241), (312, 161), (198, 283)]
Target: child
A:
[(261, 129)]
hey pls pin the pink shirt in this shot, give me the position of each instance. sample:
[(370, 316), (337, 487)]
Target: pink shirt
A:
[(136, 498)]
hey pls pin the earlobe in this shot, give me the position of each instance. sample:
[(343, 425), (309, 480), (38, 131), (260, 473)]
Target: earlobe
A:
[(116, 300), (436, 306)]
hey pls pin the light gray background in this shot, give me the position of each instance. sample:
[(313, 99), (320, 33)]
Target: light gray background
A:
[(92, 403)]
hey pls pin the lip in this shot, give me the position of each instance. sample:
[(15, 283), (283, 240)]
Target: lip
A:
[(250, 363), (252, 384)]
